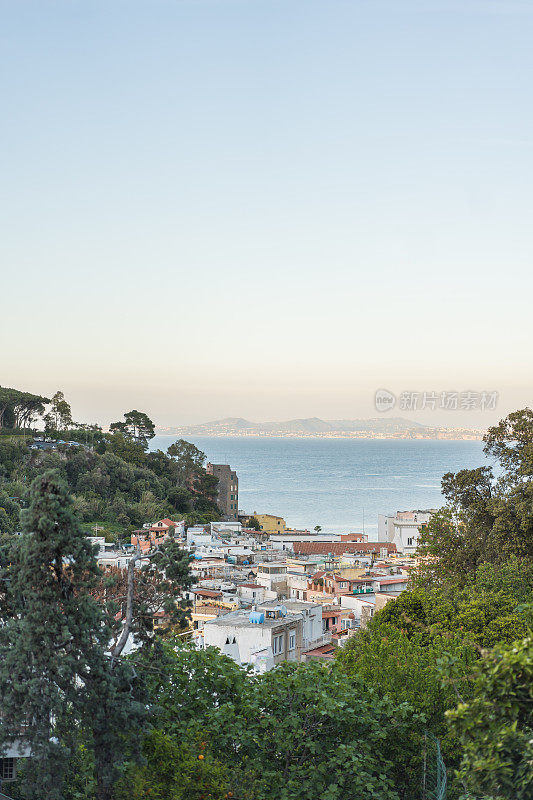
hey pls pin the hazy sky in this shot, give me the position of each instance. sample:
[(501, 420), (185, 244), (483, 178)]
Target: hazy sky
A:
[(266, 208)]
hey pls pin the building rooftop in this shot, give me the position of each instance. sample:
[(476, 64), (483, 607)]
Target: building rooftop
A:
[(339, 548), (207, 610), (324, 651), (297, 606), (207, 592), (240, 619)]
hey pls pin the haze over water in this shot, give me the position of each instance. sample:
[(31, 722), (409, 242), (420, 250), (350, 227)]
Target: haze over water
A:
[(329, 482)]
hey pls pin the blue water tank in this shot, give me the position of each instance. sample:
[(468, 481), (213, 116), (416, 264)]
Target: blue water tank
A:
[(198, 557), (257, 617)]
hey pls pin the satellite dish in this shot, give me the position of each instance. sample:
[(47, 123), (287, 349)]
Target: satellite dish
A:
[(283, 610)]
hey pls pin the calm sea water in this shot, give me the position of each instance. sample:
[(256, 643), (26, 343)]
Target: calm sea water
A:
[(333, 482)]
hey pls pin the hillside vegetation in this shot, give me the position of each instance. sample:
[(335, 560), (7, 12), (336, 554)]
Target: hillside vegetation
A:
[(446, 667), (112, 477)]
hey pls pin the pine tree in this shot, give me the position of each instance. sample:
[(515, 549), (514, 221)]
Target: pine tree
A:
[(54, 665)]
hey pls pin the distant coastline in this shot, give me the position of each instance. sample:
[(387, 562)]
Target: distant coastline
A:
[(449, 436), (380, 428)]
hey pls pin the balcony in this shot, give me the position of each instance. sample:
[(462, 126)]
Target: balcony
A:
[(324, 639)]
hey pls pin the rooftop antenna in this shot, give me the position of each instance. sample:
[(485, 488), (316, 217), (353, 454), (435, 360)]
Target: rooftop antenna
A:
[(363, 521)]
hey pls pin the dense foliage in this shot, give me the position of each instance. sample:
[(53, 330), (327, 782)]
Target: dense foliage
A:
[(298, 732), (113, 479), (55, 675), (450, 658), (488, 517), (157, 595), (455, 646), (495, 726), (20, 409)]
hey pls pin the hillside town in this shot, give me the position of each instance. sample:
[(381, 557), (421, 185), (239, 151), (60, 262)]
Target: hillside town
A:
[(139, 599), (266, 593)]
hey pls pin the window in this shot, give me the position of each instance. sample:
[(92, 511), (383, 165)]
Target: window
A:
[(7, 769), (410, 541), (277, 644), (292, 641)]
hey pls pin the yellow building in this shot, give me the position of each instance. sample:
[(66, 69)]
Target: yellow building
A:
[(270, 524)]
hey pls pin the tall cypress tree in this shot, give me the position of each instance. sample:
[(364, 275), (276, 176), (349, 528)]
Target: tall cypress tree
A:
[(54, 666)]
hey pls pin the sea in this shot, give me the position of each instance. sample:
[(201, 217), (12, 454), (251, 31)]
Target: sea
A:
[(340, 484)]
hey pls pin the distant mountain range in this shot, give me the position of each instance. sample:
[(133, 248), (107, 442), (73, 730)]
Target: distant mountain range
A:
[(381, 427)]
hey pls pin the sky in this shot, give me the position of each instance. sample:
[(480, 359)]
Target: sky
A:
[(266, 208)]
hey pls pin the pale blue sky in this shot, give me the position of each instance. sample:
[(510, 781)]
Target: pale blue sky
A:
[(266, 208)]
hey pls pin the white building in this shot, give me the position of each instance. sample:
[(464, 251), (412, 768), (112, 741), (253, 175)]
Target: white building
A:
[(198, 536), (262, 639), (393, 584), (269, 635), (403, 529), (297, 585), (360, 605), (312, 632), (365, 606), (108, 556), (254, 593), (285, 541), (273, 576), (241, 551), (224, 528), (118, 559)]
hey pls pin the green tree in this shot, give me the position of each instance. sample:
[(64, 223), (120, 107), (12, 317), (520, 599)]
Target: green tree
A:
[(180, 498), (53, 641), (146, 597), (113, 479), (186, 686), (484, 612), (126, 448), (487, 519), (189, 461), (9, 513), (407, 668), (298, 732), (136, 426), (60, 412), (495, 726), (173, 770), (19, 409), (309, 732)]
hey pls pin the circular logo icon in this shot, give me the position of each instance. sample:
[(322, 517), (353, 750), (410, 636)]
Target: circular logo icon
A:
[(384, 400)]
